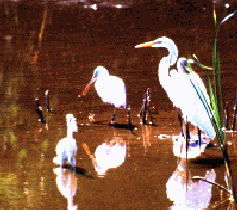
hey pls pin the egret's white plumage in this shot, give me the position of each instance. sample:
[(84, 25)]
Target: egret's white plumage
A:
[(185, 89), (66, 149), (111, 89)]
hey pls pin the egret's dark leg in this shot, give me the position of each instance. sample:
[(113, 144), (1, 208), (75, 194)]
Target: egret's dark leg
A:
[(187, 130), (180, 122), (199, 137), (113, 116)]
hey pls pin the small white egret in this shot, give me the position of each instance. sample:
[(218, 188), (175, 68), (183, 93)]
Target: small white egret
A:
[(111, 89), (184, 88), (66, 150)]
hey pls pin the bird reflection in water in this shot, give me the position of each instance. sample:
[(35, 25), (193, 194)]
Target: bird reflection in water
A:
[(191, 151), (66, 149), (67, 185), (110, 154), (188, 194)]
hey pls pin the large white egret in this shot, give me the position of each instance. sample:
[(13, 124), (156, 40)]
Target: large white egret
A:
[(184, 88), (111, 89)]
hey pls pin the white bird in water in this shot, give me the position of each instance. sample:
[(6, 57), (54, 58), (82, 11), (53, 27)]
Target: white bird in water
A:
[(111, 89), (66, 150), (184, 88)]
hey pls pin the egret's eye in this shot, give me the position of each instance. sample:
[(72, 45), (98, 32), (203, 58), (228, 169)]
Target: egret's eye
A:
[(96, 74)]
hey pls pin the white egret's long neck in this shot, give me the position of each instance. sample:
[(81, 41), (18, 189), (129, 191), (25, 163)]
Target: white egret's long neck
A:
[(165, 64), (163, 71), (69, 132)]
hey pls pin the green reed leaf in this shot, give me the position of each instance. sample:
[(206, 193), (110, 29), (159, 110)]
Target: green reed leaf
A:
[(215, 16)]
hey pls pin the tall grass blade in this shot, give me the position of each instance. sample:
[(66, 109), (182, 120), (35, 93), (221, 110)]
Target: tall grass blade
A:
[(221, 109), (218, 108), (215, 106), (214, 15)]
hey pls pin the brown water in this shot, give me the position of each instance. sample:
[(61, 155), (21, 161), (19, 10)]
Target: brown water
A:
[(74, 42)]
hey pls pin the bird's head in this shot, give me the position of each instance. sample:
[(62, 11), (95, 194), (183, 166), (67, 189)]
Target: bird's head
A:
[(182, 65), (98, 72), (163, 42), (71, 122)]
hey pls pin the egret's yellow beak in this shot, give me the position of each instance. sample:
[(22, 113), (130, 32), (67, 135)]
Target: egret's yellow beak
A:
[(146, 44)]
